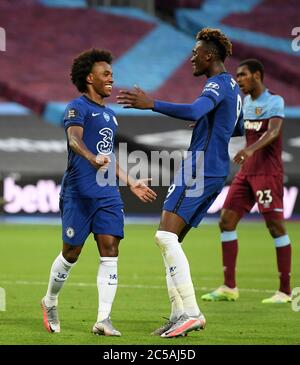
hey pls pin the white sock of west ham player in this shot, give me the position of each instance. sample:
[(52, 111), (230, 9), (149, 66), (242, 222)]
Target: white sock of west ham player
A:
[(175, 299), (58, 275), (179, 270), (107, 282)]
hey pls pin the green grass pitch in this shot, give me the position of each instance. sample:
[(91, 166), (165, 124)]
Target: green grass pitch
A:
[(27, 252)]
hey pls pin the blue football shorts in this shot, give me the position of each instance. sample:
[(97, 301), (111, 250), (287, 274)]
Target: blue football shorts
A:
[(192, 207), (82, 216)]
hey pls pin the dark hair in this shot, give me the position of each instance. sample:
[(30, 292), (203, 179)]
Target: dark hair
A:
[(83, 64), (217, 42), (253, 66)]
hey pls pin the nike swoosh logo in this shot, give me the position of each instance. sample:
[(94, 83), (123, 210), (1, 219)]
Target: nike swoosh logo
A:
[(95, 114)]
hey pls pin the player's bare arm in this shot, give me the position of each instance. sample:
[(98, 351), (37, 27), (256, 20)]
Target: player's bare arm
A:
[(76, 143), (135, 98), (138, 187), (268, 137)]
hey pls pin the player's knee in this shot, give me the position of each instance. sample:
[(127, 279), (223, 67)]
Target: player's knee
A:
[(71, 253), (276, 229), (159, 239), (227, 222), (71, 257), (110, 250), (163, 239), (226, 225)]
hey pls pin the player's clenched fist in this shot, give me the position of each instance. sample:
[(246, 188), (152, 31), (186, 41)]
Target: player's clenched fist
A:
[(101, 162)]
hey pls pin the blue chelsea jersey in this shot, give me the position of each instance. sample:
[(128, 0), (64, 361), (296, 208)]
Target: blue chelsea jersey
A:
[(213, 131), (99, 125)]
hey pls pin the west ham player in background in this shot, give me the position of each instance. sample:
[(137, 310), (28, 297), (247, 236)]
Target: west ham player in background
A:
[(216, 113), (260, 180), (85, 205)]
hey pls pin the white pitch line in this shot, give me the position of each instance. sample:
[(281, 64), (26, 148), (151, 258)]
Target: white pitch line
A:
[(129, 286)]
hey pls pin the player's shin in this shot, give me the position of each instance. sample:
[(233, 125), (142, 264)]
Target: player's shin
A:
[(107, 281), (58, 275), (229, 255), (175, 299), (179, 270), (284, 254)]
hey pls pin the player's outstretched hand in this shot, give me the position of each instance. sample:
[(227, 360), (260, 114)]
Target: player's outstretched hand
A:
[(135, 98), (142, 191)]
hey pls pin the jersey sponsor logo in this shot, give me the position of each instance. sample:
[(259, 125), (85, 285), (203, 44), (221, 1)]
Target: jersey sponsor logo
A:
[(258, 110), (72, 113), (252, 125), (105, 146), (70, 232), (95, 114), (212, 85), (115, 120), (106, 116)]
